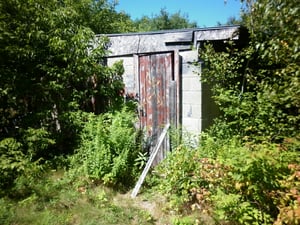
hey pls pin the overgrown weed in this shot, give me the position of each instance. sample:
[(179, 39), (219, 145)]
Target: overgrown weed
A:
[(233, 182), (60, 201)]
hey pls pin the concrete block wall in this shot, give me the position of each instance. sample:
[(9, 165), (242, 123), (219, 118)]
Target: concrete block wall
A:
[(191, 92)]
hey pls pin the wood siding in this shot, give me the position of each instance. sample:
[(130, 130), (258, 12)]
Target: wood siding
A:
[(157, 96)]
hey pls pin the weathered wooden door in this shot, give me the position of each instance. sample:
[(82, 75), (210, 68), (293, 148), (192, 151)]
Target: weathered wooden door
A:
[(158, 101)]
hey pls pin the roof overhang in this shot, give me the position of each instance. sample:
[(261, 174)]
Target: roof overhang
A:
[(167, 40)]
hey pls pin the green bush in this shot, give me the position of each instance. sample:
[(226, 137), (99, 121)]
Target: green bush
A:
[(12, 162), (108, 148), (235, 183), (19, 158), (5, 212)]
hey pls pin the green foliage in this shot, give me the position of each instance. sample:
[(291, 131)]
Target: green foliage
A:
[(183, 221), (163, 21), (256, 90), (246, 168), (5, 212), (109, 148), (257, 87), (102, 17), (232, 182), (37, 141), (230, 207), (51, 74), (141, 160), (50, 68), (22, 158), (56, 200), (12, 162)]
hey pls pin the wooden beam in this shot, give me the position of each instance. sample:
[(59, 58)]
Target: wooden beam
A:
[(150, 161)]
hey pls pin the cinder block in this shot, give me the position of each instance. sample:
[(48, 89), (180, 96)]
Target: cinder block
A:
[(191, 125), (189, 56), (191, 111), (191, 97), (190, 70), (191, 83)]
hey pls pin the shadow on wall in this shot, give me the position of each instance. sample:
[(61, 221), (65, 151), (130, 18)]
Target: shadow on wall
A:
[(209, 107)]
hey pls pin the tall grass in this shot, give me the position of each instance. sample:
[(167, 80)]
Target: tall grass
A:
[(109, 146), (59, 201)]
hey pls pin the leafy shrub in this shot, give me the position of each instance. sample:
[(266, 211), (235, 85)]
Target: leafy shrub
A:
[(255, 80), (235, 183), (22, 158), (288, 201), (108, 148), (37, 142), (12, 162), (5, 211), (177, 176)]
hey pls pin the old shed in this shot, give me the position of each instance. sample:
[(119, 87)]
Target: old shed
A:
[(160, 74)]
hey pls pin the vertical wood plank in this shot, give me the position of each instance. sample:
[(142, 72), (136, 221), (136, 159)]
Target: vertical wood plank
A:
[(156, 74), (136, 74), (178, 88)]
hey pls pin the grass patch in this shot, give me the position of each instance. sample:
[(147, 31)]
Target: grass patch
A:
[(61, 202)]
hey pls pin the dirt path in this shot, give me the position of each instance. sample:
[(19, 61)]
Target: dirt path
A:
[(154, 205)]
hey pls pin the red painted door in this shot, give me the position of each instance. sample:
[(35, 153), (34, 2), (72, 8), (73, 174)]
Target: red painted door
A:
[(156, 76)]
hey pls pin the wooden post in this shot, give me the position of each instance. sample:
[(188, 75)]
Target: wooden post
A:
[(150, 161), (177, 78)]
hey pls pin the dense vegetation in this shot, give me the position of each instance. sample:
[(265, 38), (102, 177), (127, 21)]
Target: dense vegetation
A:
[(49, 73), (61, 108), (65, 130), (246, 168)]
